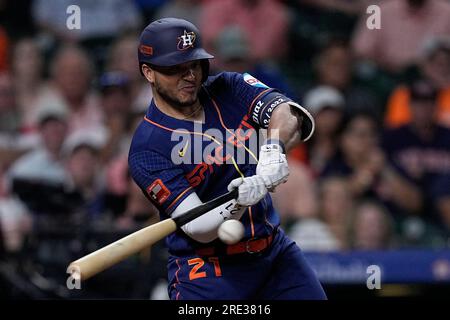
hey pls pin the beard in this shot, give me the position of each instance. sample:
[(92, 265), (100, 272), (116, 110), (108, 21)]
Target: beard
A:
[(172, 99)]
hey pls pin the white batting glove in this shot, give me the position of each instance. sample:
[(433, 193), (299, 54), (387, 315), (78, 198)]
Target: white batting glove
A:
[(272, 165), (251, 189)]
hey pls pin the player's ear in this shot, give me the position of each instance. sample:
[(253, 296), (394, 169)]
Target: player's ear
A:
[(148, 73)]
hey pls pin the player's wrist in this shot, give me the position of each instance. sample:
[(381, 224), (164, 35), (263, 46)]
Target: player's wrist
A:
[(274, 144)]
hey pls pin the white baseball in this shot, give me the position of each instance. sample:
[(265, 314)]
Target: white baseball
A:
[(231, 231)]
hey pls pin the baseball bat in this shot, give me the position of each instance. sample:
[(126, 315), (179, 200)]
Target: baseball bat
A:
[(105, 257)]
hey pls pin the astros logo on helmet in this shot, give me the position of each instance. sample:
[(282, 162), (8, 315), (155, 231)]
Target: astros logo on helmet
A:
[(186, 40)]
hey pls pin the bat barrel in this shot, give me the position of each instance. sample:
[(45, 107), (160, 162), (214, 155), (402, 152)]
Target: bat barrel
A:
[(99, 260), (118, 251)]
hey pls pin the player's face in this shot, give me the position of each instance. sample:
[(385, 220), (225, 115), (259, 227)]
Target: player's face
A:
[(179, 85)]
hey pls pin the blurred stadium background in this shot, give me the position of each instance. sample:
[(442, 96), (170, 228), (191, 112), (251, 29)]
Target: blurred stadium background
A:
[(371, 188)]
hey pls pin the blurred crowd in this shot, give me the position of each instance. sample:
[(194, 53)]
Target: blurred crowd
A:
[(375, 175)]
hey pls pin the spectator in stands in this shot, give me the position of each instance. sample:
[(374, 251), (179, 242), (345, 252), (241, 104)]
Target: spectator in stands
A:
[(405, 25), (122, 57), (362, 162), (70, 87), (189, 10), (434, 65), (327, 106), (15, 223), (420, 151), (233, 54), (268, 40), (10, 120), (116, 169), (435, 62), (336, 206), (9, 115), (372, 227), (328, 229), (116, 104), (85, 174), (312, 234), (12, 143), (358, 157), (311, 224), (334, 68), (45, 163), (27, 69)]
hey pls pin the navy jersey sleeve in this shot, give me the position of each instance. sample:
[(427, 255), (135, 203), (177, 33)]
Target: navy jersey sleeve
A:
[(247, 89), (258, 99), (249, 92), (244, 89), (162, 182)]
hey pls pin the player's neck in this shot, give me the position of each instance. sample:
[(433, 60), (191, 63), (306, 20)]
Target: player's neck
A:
[(193, 112)]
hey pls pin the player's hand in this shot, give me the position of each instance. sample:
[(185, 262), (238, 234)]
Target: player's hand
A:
[(251, 189), (272, 165)]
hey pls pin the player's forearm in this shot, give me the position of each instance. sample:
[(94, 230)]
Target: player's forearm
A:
[(285, 125), (204, 228)]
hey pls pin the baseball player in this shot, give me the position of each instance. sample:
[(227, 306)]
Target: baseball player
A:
[(189, 105)]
